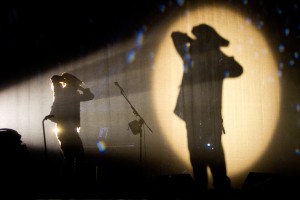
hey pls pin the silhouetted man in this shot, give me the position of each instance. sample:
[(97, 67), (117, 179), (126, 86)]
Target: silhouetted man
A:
[(200, 98), (68, 93)]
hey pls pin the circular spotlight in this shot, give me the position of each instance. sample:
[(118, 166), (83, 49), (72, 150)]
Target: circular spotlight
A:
[(250, 103)]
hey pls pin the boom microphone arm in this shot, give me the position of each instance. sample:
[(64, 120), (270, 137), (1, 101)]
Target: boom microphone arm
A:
[(142, 121)]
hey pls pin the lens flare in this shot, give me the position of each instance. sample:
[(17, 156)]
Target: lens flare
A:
[(101, 146)]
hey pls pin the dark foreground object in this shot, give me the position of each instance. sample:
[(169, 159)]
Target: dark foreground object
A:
[(25, 177)]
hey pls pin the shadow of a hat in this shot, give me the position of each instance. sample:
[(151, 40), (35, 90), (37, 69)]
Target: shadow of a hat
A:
[(207, 35)]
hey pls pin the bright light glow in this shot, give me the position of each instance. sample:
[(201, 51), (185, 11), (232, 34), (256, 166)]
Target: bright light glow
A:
[(63, 84), (250, 102), (56, 130)]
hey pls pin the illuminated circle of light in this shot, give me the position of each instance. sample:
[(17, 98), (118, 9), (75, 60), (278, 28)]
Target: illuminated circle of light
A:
[(250, 104)]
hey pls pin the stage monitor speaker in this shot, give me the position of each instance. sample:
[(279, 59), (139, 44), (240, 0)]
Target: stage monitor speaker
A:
[(262, 181)]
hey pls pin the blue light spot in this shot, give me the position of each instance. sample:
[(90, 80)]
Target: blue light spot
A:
[(295, 6), (291, 63), (180, 2), (226, 73), (187, 57), (162, 8), (248, 20), (186, 48), (140, 37), (279, 11), (298, 107), (131, 56), (281, 48), (260, 24), (101, 146), (297, 151), (286, 31), (102, 135), (279, 73), (281, 65), (185, 68), (296, 55), (151, 59), (208, 146)]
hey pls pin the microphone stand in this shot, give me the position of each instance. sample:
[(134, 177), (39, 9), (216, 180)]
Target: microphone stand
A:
[(47, 167), (47, 117), (141, 121), (45, 146)]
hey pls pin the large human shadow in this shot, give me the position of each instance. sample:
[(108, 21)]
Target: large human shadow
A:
[(199, 102)]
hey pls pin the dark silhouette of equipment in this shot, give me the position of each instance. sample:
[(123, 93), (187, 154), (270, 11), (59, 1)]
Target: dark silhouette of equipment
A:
[(45, 145), (14, 168), (48, 117), (135, 125)]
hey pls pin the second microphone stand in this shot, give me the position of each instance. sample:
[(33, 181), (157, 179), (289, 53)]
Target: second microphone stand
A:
[(135, 125)]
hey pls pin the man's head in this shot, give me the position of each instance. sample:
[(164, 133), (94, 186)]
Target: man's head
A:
[(71, 79)]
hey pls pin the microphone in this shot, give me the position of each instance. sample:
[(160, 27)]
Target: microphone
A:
[(117, 84), (48, 117)]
